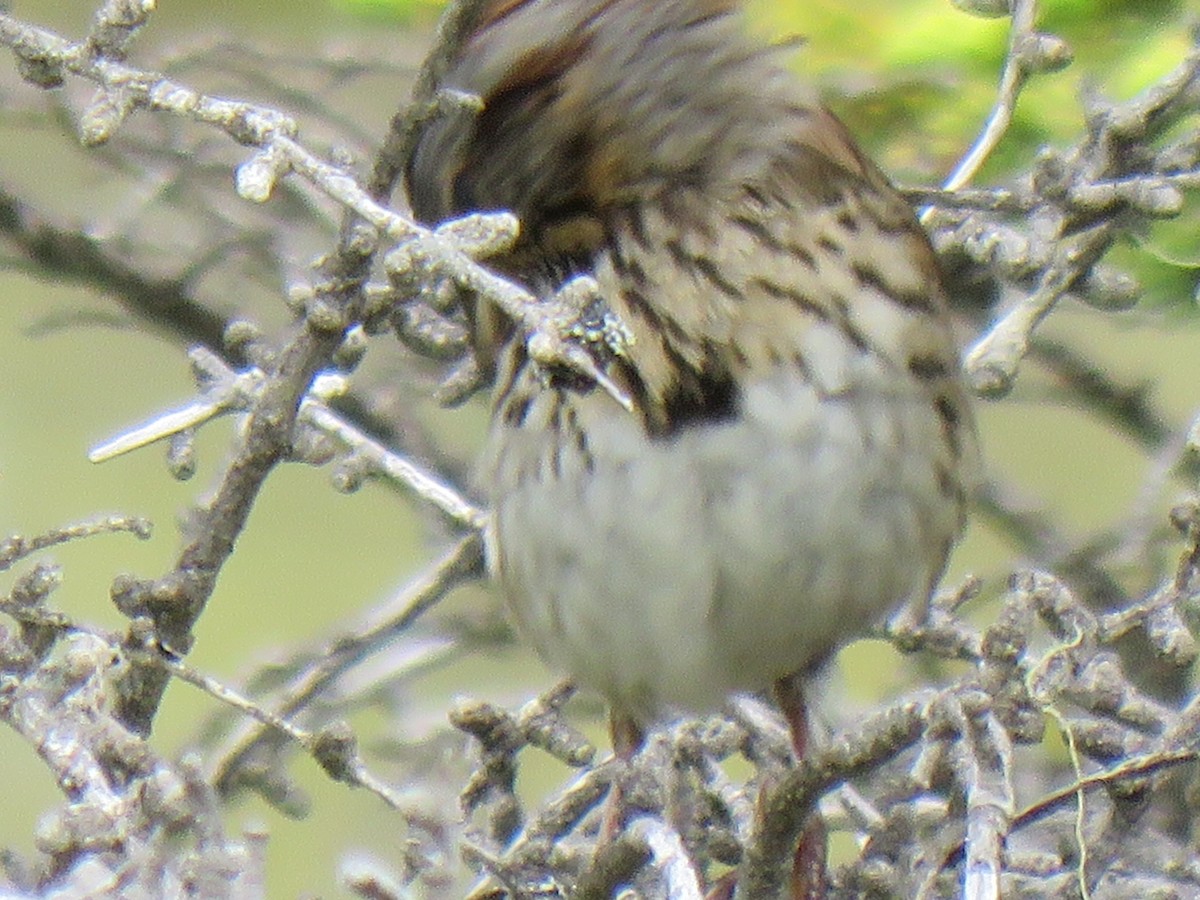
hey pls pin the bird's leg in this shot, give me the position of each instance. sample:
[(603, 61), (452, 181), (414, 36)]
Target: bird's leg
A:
[(627, 739), (808, 863)]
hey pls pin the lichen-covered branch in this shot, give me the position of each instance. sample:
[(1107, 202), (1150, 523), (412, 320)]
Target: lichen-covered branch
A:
[(943, 790)]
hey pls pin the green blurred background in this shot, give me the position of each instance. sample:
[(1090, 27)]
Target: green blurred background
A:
[(914, 78)]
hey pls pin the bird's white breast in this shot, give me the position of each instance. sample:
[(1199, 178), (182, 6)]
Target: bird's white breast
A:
[(671, 572)]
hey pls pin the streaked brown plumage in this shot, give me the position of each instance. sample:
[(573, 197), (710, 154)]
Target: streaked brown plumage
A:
[(802, 443)]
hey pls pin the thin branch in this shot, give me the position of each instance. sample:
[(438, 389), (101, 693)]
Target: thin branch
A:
[(1028, 52), (460, 564)]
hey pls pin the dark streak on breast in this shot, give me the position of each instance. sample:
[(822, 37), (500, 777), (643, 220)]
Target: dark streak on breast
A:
[(928, 368), (516, 410), (699, 397), (949, 414)]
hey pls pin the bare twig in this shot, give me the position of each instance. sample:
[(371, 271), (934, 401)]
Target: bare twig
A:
[(1028, 53)]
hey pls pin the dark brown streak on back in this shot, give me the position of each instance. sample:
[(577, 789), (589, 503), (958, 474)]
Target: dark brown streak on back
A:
[(757, 195), (847, 220), (846, 324), (637, 273), (793, 296), (703, 267), (757, 230), (870, 277), (803, 254), (634, 221), (642, 308), (712, 274), (829, 245)]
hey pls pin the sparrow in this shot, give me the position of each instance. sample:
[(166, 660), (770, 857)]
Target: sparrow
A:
[(799, 448)]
